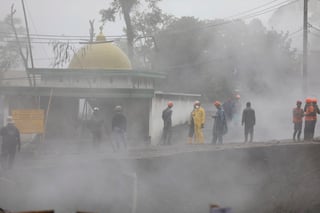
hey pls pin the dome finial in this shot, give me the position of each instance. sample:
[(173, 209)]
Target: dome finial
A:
[(101, 37)]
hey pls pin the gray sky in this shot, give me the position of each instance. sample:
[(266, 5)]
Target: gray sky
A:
[(70, 17)]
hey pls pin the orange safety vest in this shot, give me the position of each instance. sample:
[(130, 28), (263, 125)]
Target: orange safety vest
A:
[(297, 115), (311, 114)]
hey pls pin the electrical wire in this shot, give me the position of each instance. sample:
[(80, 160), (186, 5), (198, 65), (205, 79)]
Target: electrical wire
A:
[(35, 28), (295, 32), (238, 18), (230, 19), (313, 27)]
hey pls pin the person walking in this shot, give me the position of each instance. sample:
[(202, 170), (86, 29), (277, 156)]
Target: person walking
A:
[(220, 127), (297, 115), (96, 127), (198, 116), (167, 124), (119, 128), (10, 143), (248, 120)]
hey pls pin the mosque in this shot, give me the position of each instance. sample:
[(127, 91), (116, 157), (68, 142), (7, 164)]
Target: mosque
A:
[(99, 75)]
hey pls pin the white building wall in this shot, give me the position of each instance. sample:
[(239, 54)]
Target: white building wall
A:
[(182, 107)]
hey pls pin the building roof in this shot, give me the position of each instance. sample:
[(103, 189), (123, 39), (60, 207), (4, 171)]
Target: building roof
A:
[(100, 55)]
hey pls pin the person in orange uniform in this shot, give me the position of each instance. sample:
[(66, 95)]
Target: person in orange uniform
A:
[(316, 111), (297, 114), (310, 119), (198, 116)]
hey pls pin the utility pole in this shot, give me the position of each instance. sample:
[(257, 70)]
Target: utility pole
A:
[(305, 49), (29, 41)]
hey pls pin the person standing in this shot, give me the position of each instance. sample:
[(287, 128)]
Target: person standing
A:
[(248, 120), (297, 115), (191, 127), (310, 118), (198, 116), (10, 143), (96, 127), (119, 128), (317, 111), (167, 124), (220, 127), (236, 115)]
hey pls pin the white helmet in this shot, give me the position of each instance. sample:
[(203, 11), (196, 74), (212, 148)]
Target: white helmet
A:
[(96, 109), (118, 108)]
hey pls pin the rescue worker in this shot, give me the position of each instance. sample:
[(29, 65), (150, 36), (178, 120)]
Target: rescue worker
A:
[(119, 128), (198, 116), (317, 111), (220, 127), (167, 124), (248, 120), (96, 127), (10, 143), (191, 127), (309, 119), (236, 114), (297, 115), (228, 108)]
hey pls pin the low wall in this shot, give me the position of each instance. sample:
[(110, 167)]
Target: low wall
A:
[(183, 104)]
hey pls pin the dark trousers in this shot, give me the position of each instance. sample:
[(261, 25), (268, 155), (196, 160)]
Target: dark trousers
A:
[(166, 135), (217, 136), (297, 130), (7, 158), (309, 127), (118, 138), (191, 130), (248, 130), (96, 138)]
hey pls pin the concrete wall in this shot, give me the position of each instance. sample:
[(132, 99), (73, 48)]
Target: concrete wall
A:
[(19, 78), (183, 104)]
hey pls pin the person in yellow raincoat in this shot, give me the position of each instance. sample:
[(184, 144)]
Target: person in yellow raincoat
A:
[(198, 115)]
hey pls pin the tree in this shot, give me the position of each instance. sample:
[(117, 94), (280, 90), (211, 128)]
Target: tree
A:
[(9, 48), (214, 59), (126, 7), (146, 24)]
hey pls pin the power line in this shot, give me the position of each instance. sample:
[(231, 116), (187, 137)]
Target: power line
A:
[(312, 26), (34, 26), (60, 36), (246, 11), (295, 32), (238, 18), (242, 15)]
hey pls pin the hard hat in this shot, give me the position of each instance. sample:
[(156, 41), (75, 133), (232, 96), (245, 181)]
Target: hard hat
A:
[(197, 103), (217, 103), (96, 109), (299, 102), (308, 100), (118, 108), (314, 100), (10, 120), (170, 104)]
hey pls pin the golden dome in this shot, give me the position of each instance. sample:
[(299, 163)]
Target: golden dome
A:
[(100, 56)]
